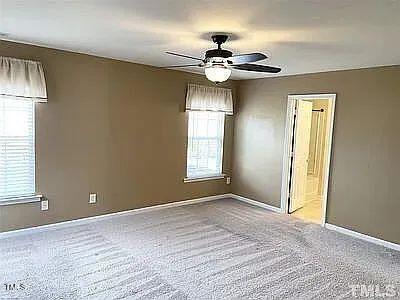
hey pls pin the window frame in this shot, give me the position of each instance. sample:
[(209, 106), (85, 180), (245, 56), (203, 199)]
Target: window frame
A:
[(28, 197), (210, 176)]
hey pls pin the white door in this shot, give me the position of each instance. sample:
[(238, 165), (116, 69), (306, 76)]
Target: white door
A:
[(300, 154)]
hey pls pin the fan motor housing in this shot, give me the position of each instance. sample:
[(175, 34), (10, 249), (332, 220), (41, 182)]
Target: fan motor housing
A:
[(218, 53), (219, 38)]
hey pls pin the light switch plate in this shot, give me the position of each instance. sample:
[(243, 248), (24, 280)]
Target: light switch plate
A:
[(92, 198), (228, 180), (44, 204)]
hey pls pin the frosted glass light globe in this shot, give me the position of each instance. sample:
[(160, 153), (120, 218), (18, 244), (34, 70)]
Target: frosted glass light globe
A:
[(217, 73)]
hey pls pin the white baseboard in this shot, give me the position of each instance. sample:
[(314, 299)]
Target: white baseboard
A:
[(362, 236), (87, 220), (327, 225), (256, 203)]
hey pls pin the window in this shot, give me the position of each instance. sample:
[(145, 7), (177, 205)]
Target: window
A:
[(17, 148), (207, 107), (205, 144)]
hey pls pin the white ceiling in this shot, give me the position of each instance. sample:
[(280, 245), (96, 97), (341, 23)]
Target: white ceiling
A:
[(300, 36)]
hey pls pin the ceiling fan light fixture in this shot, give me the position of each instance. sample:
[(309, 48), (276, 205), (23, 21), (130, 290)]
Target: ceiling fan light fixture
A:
[(217, 73), (218, 63)]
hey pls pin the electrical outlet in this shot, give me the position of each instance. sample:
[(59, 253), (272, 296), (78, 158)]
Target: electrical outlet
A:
[(228, 180), (92, 198), (44, 204)]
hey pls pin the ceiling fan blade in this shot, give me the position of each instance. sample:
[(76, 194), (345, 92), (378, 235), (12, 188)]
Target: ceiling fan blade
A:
[(183, 66), (183, 55), (246, 58), (257, 68)]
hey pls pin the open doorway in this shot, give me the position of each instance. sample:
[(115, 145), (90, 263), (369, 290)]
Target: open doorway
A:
[(308, 142)]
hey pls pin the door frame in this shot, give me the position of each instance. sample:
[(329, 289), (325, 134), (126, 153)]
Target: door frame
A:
[(287, 149)]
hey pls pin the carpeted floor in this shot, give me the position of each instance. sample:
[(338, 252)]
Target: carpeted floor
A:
[(222, 249)]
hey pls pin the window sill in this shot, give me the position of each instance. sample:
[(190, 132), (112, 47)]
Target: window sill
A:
[(21, 200), (203, 178)]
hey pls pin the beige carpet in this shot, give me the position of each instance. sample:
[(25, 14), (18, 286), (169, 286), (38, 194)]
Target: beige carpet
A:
[(222, 249)]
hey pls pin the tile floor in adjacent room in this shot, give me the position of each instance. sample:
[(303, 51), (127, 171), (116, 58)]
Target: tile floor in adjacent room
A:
[(311, 212)]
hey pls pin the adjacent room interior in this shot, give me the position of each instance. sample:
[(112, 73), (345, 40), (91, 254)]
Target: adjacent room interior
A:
[(199, 150), (310, 140)]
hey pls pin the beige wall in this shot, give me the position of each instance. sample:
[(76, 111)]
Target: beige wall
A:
[(110, 127), (363, 193), (118, 129)]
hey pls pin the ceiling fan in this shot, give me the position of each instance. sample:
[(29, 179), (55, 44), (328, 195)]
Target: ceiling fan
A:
[(218, 63)]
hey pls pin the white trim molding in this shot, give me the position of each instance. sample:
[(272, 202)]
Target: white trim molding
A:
[(362, 236), (21, 200), (82, 221), (205, 178), (87, 220), (256, 203)]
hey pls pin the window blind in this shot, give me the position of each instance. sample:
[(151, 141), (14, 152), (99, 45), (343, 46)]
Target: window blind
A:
[(17, 148)]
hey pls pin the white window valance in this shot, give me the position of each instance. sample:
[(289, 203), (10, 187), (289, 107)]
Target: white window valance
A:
[(22, 78), (206, 98)]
